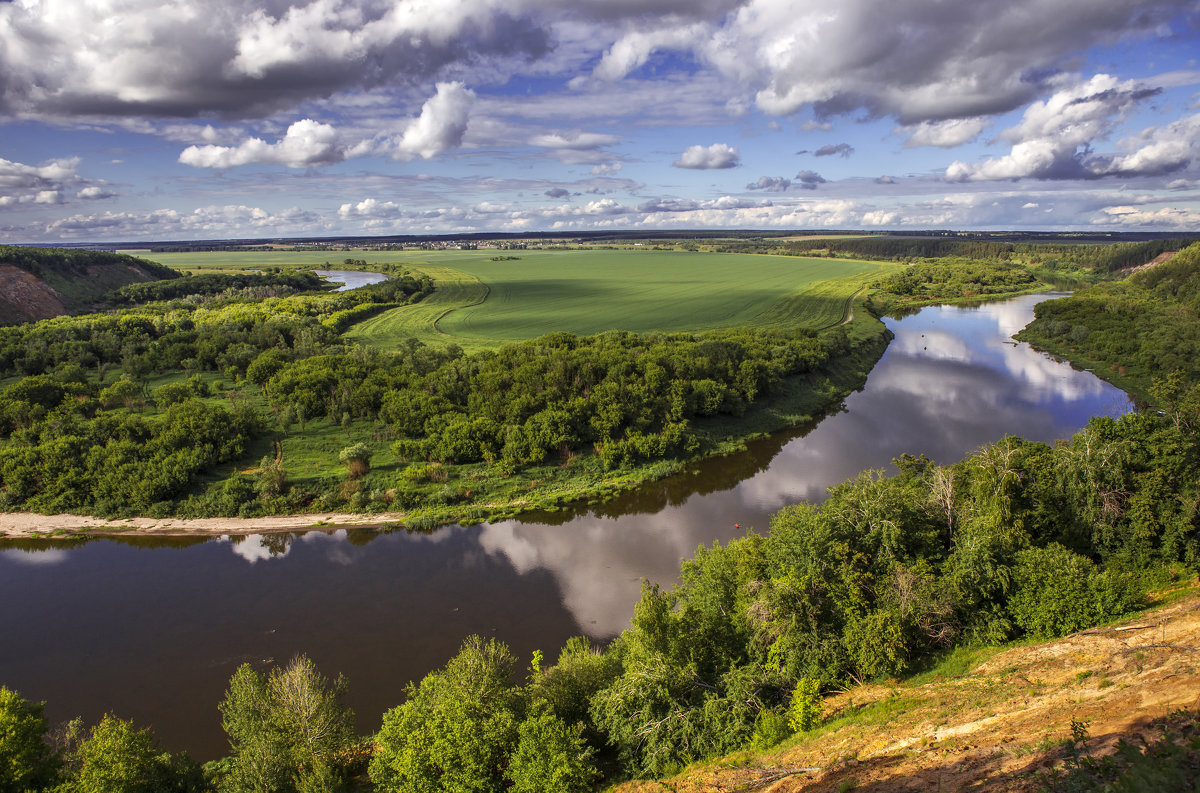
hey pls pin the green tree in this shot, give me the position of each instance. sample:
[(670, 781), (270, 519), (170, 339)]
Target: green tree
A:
[(456, 730), (26, 761), (287, 730), (117, 757), (550, 755)]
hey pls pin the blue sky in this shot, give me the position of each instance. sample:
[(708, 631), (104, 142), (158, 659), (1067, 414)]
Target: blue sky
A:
[(196, 119)]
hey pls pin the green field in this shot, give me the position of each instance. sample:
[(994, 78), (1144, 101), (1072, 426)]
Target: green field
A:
[(480, 303)]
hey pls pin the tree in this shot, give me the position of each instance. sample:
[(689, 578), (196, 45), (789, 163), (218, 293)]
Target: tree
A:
[(26, 761), (550, 755), (117, 757), (456, 730), (287, 730), (357, 459)]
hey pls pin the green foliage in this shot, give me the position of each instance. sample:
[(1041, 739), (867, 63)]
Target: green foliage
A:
[(807, 705), (117, 757), (1057, 592), (287, 730), (258, 285), (457, 728), (1137, 330), (1167, 762), (26, 760), (550, 755), (356, 458), (934, 280)]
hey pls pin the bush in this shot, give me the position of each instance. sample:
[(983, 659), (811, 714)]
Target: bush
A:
[(807, 705)]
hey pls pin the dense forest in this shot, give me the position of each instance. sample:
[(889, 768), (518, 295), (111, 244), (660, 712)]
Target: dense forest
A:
[(1130, 330)]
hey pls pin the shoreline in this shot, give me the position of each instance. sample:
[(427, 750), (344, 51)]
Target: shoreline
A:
[(31, 525)]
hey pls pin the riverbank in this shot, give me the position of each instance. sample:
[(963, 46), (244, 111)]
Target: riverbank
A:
[(29, 525)]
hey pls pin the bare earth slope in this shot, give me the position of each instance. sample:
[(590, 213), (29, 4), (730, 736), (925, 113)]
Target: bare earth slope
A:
[(991, 729), (37, 283), (24, 297)]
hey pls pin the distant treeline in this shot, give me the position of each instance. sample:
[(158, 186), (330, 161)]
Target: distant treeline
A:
[(1102, 258), (209, 284)]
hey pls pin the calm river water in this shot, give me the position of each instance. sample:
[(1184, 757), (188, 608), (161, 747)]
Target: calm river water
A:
[(350, 279), (153, 630)]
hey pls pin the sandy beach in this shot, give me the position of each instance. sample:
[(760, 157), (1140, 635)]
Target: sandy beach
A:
[(27, 524)]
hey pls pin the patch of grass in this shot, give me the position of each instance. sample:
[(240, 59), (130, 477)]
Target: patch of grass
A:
[(957, 663)]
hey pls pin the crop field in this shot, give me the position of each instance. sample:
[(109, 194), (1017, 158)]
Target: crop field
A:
[(480, 303)]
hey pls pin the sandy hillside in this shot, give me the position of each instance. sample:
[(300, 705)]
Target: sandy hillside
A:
[(991, 729)]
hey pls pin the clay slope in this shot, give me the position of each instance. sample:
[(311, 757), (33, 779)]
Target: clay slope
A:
[(25, 297), (994, 727)]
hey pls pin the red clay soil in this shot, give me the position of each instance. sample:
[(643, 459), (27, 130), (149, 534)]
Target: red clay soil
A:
[(25, 297), (1157, 260)]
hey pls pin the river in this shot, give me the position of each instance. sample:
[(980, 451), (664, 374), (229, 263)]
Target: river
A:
[(152, 630), (350, 279)]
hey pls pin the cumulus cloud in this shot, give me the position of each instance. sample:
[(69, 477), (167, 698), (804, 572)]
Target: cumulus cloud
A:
[(724, 203), (842, 149), (209, 221), (441, 125), (306, 143), (772, 184), (606, 168), (810, 179), (944, 134), (47, 184), (1056, 136), (885, 179), (577, 146), (244, 58), (716, 156), (558, 192), (912, 60)]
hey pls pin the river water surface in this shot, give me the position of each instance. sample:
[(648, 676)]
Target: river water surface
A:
[(152, 630)]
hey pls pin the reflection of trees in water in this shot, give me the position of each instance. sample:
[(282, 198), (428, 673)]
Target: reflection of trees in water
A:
[(699, 478), (64, 543), (275, 544)]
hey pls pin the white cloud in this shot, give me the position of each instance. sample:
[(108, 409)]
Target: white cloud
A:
[(47, 184), (772, 184), (306, 143), (716, 156), (1139, 218), (606, 168), (441, 125), (202, 222), (95, 193), (944, 134), (1055, 137)]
